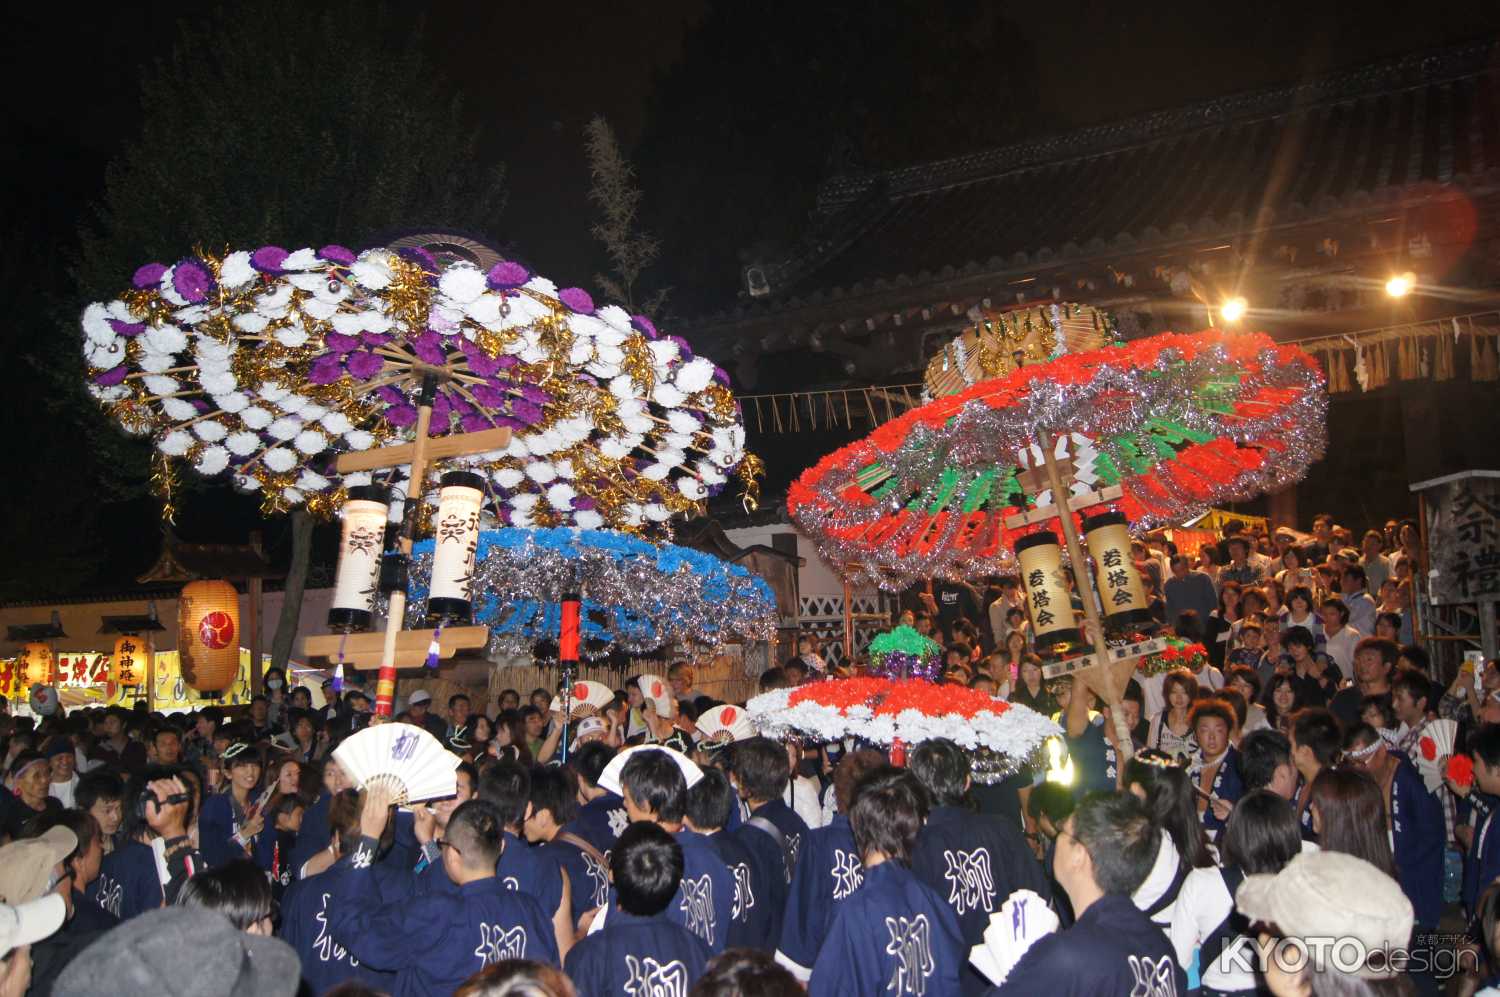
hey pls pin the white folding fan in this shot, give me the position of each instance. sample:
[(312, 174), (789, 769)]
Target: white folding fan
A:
[(725, 723), (588, 699), (1434, 748), (405, 757), (610, 778), (659, 692)]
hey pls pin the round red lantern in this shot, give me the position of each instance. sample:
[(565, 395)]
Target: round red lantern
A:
[(208, 638)]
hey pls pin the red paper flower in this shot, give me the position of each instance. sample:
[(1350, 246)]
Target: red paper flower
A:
[(1429, 748), (1460, 770)]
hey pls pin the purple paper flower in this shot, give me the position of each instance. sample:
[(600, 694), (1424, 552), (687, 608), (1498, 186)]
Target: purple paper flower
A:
[(482, 364), (428, 348), (581, 502), (506, 275), (192, 280), (441, 407), (127, 329), (401, 415), (201, 405), (391, 395), (365, 365), (341, 343), (337, 254), (506, 361), (682, 345), (644, 326), (577, 300), (526, 413), (721, 375), (326, 369), (533, 394), (421, 256), (112, 377), (489, 396), (376, 338), (474, 422), (148, 275), (268, 259)]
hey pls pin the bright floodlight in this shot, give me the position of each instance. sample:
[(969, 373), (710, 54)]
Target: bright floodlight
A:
[(1233, 309), (1400, 285)]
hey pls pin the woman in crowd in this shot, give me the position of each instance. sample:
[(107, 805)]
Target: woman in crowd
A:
[(1298, 611), (1010, 659), (481, 733), (239, 891), (231, 819), (1162, 781), (509, 741), (1030, 688), (1261, 838), (1348, 815), (1246, 681), (1171, 730), (1294, 572), (1388, 626), (1219, 626)]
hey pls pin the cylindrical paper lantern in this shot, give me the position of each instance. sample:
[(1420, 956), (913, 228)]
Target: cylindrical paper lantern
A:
[(37, 665), (1120, 590), (128, 666), (208, 620), (455, 541), (360, 547), (1046, 586)]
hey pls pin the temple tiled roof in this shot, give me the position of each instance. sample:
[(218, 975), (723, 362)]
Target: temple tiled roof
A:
[(1349, 142)]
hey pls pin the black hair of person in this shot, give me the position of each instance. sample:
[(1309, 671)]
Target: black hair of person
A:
[(477, 830), (761, 766), (1338, 604), (590, 760), (1236, 702), (1416, 685), (1262, 752), (1212, 707), (1351, 816), (239, 891), (1263, 833), (1052, 799), (710, 801), (942, 768), (1484, 744), (1247, 675), (646, 863), (506, 785), (98, 785), (506, 978), (1389, 650), (1171, 803), (654, 782), (344, 812), (771, 678), (1121, 838), (1317, 730), (469, 769), (1299, 637), (888, 812), (742, 972), (1417, 656), (136, 792), (84, 827), (455, 698), (554, 790)]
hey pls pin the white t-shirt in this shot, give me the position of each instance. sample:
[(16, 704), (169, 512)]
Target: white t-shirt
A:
[(1202, 905), (1340, 647)]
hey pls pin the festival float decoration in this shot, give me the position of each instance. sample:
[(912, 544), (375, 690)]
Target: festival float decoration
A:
[(1175, 654), (638, 596), (904, 653), (898, 713)]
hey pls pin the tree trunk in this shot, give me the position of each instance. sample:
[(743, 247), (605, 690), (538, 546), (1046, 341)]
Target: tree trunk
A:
[(291, 594)]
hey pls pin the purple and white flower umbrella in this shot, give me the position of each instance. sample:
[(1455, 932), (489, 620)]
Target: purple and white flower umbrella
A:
[(266, 365)]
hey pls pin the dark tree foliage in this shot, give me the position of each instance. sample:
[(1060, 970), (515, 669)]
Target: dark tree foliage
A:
[(769, 99)]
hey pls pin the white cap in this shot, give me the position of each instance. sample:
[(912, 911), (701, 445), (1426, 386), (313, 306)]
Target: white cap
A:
[(28, 923), (420, 696)]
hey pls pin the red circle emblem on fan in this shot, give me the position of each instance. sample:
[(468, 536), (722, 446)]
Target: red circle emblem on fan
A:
[(216, 630), (655, 690), (1429, 748), (727, 715), (580, 691)]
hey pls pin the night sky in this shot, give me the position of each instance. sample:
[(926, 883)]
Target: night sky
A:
[(531, 76)]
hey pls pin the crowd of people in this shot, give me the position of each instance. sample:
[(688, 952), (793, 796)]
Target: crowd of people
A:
[(1272, 794)]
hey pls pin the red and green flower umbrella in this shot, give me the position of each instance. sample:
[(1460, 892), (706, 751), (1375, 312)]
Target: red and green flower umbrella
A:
[(1178, 422)]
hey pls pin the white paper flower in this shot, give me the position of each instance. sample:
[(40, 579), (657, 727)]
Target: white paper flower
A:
[(273, 391), (376, 321), (695, 375), (291, 336), (587, 519), (280, 459), (560, 496), (178, 409), (663, 352), (541, 471), (485, 310), (532, 354), (541, 285), (337, 423), (236, 271), (234, 401), (212, 460), (564, 469), (667, 396), (246, 483), (320, 309), (580, 352), (292, 495), (242, 444), (96, 326), (302, 259), (462, 282), (658, 513), (176, 443), (274, 301), (709, 474), (256, 417), (112, 393), (638, 424), (217, 383), (160, 384), (348, 323), (104, 355), (311, 411), (615, 317), (371, 271), (656, 472), (509, 477), (526, 501), (154, 363), (681, 422), (359, 440), (677, 441), (358, 478), (311, 441), (165, 339), (211, 430), (285, 428), (168, 290), (614, 448), (251, 322), (691, 488), (206, 349), (312, 482)]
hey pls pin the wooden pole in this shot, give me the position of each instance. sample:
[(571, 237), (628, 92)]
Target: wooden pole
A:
[(385, 685), (1083, 580)]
